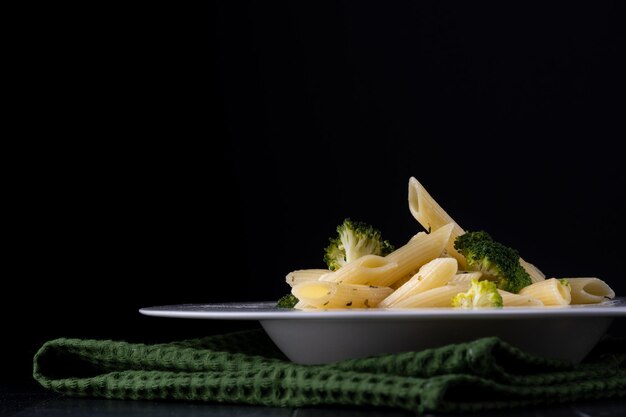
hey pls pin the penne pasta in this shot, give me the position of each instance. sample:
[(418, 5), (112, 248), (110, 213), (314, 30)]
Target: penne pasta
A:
[(302, 275), (401, 282), (363, 271), (517, 300), (384, 272), (551, 292), (431, 216), (466, 277), (436, 297), (419, 251), (435, 273), (589, 290), (428, 271), (535, 274), (324, 294)]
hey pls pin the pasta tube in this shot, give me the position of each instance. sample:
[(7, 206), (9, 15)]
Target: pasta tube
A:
[(589, 290), (431, 216), (517, 300), (324, 294), (435, 273), (363, 271), (551, 292), (302, 275), (383, 272), (401, 282), (437, 297)]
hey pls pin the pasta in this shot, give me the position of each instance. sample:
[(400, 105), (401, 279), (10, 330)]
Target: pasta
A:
[(431, 216), (324, 294), (429, 272), (384, 271), (589, 290), (302, 275), (401, 281), (364, 271), (518, 300), (551, 292), (437, 297), (434, 274)]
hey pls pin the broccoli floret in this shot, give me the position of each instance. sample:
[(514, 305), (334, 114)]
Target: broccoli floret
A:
[(481, 294), (355, 239), (287, 301), (494, 260)]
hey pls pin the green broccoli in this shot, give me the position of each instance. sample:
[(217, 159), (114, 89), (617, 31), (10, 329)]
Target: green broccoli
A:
[(355, 239), (494, 260), (287, 301), (481, 294)]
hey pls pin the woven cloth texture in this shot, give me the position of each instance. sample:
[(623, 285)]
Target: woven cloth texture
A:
[(247, 368)]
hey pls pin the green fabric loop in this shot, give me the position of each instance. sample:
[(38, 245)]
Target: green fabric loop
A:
[(247, 368)]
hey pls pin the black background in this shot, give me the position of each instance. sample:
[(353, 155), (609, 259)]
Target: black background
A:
[(170, 155)]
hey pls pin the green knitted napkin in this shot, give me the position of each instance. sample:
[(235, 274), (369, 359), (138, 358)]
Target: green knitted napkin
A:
[(247, 368)]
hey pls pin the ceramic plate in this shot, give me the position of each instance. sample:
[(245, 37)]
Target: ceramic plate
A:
[(330, 335)]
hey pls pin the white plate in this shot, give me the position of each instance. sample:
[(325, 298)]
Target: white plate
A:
[(331, 335)]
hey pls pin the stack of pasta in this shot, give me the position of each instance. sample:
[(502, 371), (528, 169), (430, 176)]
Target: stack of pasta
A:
[(428, 271)]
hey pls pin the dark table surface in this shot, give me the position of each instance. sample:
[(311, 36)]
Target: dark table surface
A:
[(27, 399)]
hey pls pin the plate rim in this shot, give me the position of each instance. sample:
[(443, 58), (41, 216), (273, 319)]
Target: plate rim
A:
[(265, 310)]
